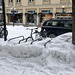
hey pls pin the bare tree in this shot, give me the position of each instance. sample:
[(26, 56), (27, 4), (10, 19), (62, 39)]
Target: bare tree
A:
[(73, 27)]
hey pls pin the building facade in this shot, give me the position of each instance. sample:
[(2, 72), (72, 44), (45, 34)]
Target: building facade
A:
[(32, 12)]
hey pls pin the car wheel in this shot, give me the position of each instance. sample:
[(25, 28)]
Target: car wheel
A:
[(52, 36)]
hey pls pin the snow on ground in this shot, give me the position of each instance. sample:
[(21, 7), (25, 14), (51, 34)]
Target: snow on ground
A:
[(58, 58)]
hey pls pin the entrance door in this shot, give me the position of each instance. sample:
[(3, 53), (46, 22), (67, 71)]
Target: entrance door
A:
[(31, 19), (42, 16), (10, 18), (17, 18)]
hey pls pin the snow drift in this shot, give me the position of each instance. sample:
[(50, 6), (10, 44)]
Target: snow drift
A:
[(58, 58)]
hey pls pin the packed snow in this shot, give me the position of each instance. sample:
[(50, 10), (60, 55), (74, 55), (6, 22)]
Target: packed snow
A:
[(58, 58)]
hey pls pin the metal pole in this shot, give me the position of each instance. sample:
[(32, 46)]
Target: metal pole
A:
[(4, 19), (13, 14), (13, 21), (63, 10)]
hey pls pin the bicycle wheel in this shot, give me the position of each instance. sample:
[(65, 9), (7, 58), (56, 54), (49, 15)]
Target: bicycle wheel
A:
[(2, 33), (43, 34)]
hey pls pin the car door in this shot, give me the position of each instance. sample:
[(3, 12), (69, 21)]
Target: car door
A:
[(65, 26)]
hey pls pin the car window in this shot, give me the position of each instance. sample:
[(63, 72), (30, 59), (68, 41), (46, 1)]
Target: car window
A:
[(68, 24), (51, 23), (54, 23), (59, 23)]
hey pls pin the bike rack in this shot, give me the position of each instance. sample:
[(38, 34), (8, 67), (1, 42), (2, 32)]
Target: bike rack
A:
[(47, 43), (26, 39), (16, 38), (36, 40)]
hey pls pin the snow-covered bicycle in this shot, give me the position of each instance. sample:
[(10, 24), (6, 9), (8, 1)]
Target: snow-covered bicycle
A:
[(39, 35)]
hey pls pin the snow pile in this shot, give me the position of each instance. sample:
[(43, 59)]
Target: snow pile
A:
[(58, 58)]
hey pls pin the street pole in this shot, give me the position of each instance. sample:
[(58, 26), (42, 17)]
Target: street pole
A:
[(63, 11), (13, 21), (4, 19), (13, 14)]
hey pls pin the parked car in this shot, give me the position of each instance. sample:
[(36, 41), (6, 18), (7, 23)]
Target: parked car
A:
[(56, 27), (2, 30)]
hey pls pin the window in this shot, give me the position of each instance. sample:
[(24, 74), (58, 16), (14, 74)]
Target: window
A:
[(46, 1), (59, 23), (64, 1), (31, 0), (52, 23), (10, 1), (18, 1), (68, 24)]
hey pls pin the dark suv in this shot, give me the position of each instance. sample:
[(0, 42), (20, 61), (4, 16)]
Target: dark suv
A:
[(56, 27)]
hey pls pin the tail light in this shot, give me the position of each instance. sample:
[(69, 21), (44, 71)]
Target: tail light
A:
[(42, 25)]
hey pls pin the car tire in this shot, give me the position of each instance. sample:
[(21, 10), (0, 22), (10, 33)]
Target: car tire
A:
[(52, 36)]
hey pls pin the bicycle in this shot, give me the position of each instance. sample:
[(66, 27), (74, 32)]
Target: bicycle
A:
[(29, 37), (23, 38), (39, 35)]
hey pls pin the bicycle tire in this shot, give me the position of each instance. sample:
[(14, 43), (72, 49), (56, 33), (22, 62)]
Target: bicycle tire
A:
[(2, 33)]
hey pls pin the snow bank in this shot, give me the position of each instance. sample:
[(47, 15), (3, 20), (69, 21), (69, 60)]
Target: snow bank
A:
[(58, 58)]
